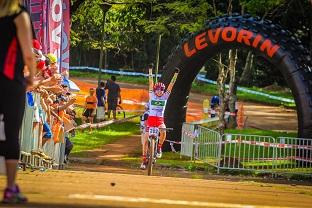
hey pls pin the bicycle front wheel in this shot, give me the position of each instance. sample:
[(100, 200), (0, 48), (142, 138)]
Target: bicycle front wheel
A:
[(151, 152)]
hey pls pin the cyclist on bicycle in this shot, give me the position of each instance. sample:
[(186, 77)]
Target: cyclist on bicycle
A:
[(158, 97)]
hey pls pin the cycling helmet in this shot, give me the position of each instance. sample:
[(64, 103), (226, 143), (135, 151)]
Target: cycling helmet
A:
[(52, 58), (159, 86), (36, 44)]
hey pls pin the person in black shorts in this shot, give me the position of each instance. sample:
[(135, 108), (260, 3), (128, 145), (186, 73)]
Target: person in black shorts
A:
[(113, 96), (15, 53), (90, 107)]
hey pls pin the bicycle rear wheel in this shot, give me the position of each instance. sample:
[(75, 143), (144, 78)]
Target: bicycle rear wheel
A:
[(151, 152)]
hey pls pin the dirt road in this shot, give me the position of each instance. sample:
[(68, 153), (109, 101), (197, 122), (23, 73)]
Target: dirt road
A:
[(94, 189)]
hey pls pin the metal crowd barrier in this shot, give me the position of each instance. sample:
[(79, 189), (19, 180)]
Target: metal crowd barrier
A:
[(32, 155), (294, 155), (187, 140), (207, 146), (247, 152)]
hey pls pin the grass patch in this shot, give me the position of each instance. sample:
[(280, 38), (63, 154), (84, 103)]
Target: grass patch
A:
[(174, 160), (259, 132), (198, 87), (99, 137)]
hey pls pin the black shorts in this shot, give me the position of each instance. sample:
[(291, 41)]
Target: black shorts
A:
[(12, 106), (112, 104), (88, 113)]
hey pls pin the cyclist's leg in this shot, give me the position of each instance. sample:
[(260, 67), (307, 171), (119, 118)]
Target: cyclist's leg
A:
[(162, 134), (161, 140), (144, 137)]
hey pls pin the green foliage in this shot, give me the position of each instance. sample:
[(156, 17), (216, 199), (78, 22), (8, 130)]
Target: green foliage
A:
[(178, 17), (258, 7), (132, 29)]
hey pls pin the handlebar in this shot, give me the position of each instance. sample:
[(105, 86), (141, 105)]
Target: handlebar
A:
[(166, 129)]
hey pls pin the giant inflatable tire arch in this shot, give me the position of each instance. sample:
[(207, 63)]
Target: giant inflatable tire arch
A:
[(262, 37)]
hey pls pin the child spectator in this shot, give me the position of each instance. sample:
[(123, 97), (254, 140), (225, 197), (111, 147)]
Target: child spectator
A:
[(90, 107)]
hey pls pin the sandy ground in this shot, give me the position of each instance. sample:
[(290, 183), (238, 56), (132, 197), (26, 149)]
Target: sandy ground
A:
[(95, 189), (102, 179)]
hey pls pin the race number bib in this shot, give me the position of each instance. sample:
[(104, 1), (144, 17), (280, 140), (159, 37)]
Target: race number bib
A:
[(153, 131)]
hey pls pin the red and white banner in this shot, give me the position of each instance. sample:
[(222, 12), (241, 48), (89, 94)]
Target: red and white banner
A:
[(51, 21)]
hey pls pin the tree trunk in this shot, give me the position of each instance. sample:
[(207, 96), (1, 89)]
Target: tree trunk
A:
[(247, 72), (221, 90), (232, 98), (132, 60), (125, 61)]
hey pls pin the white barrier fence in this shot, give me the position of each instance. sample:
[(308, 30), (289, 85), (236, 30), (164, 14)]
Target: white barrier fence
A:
[(247, 152), (33, 154)]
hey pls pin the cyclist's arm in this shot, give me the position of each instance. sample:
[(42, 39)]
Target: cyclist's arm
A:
[(173, 80), (150, 79)]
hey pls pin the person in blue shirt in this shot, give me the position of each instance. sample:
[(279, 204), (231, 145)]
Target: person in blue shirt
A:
[(214, 103)]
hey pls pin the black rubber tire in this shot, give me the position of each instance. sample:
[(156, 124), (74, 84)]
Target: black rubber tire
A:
[(151, 157), (292, 59)]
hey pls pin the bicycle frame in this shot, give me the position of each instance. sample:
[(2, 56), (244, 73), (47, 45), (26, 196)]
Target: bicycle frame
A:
[(153, 139)]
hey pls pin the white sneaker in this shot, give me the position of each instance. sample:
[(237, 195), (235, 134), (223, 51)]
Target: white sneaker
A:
[(143, 166), (159, 153)]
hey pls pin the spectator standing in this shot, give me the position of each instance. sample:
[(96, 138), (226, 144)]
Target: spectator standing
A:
[(113, 95), (214, 104), (15, 53), (90, 107), (101, 97)]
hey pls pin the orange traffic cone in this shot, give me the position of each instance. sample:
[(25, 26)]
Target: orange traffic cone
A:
[(240, 117)]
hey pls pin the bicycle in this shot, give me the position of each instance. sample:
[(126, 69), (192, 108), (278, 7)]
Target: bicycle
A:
[(153, 139)]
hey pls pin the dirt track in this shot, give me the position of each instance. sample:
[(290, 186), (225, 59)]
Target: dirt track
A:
[(93, 189), (102, 180)]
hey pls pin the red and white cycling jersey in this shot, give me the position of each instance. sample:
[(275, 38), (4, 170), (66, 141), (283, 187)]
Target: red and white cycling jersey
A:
[(157, 107), (157, 104)]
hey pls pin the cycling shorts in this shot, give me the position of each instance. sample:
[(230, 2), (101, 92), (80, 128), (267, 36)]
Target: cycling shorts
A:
[(154, 121)]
